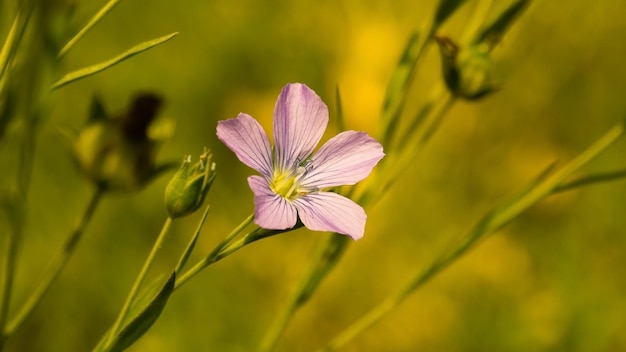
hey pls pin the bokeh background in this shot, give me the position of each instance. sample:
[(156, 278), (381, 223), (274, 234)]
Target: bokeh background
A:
[(553, 280)]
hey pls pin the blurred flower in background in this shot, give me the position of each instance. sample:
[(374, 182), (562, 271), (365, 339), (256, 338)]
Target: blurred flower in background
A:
[(118, 153)]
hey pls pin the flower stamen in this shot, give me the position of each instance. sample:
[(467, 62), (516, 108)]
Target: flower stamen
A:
[(287, 183)]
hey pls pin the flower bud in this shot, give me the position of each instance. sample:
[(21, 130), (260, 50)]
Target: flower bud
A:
[(186, 191), (467, 72), (118, 153)]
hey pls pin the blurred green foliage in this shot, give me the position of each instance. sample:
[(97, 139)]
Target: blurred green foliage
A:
[(550, 281)]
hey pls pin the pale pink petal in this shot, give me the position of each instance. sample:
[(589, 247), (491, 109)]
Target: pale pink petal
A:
[(300, 119), (246, 138), (327, 211), (271, 211), (345, 159)]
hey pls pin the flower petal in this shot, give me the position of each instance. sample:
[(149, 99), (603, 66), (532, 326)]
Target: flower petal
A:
[(327, 211), (300, 119), (271, 211), (345, 159), (246, 138)]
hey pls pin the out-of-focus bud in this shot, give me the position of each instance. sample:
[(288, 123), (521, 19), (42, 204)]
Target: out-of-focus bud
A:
[(467, 72), (186, 191), (118, 153)]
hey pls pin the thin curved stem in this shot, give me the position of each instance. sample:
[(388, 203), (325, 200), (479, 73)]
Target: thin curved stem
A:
[(140, 278), (211, 257), (392, 301), (8, 272), (327, 254), (192, 243), (491, 222), (55, 266), (253, 236), (414, 142)]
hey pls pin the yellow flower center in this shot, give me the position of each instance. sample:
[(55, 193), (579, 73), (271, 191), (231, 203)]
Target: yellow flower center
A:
[(287, 183)]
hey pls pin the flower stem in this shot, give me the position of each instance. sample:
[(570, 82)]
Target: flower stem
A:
[(55, 266), (212, 257), (490, 223), (192, 243), (140, 278), (394, 300), (326, 255), (7, 274), (413, 142)]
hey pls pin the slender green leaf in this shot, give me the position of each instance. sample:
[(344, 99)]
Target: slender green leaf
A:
[(192, 244), (94, 20), (143, 316), (91, 70), (398, 85), (341, 125), (445, 9), (493, 32), (551, 182), (592, 179), (8, 45), (12, 42)]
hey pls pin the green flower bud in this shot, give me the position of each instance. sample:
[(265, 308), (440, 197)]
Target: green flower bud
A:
[(467, 72), (118, 153), (186, 191)]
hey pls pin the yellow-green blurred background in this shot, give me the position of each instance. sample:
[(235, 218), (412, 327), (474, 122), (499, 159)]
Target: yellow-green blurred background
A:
[(550, 281)]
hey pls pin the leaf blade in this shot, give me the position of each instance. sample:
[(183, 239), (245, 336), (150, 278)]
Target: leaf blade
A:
[(94, 20), (493, 32), (141, 321), (92, 70)]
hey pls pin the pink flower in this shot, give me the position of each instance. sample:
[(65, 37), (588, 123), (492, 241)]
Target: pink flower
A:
[(295, 182)]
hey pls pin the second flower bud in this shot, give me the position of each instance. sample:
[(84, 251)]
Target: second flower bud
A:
[(187, 190)]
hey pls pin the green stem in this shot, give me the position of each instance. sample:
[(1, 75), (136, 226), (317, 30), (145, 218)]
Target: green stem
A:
[(140, 278), (394, 300), (398, 92), (412, 144), (192, 242), (490, 223), (591, 179), (8, 271), (8, 266), (211, 258), (327, 255), (253, 236), (16, 204), (55, 266)]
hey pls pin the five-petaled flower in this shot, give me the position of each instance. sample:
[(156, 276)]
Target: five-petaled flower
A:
[(295, 182)]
